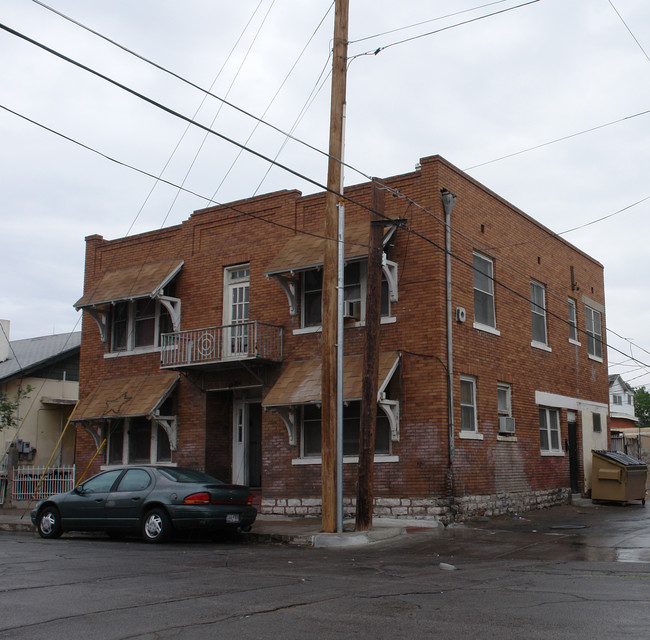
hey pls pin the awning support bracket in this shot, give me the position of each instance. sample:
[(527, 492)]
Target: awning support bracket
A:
[(170, 426), (391, 409), (173, 306), (389, 269), (288, 415), (101, 318), (289, 287)]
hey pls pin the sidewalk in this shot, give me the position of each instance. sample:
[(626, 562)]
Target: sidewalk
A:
[(297, 531)]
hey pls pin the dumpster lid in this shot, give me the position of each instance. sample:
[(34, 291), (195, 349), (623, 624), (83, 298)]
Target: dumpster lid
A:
[(620, 458)]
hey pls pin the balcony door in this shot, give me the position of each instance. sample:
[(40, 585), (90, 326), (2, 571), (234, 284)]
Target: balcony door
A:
[(236, 309)]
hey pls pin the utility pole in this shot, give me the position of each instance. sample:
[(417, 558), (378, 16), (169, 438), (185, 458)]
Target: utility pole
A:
[(329, 404), (367, 428)]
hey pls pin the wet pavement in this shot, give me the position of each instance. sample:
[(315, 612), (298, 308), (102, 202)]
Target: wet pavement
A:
[(582, 531)]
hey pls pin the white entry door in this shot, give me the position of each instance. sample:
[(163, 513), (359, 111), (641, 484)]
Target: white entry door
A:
[(247, 443)]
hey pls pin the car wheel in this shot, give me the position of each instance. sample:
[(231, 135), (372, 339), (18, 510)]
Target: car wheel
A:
[(156, 526), (49, 523)]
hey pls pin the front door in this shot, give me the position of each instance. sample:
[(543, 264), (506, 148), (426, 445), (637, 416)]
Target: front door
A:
[(247, 443), (573, 456)]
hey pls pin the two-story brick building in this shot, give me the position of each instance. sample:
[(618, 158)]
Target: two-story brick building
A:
[(205, 350)]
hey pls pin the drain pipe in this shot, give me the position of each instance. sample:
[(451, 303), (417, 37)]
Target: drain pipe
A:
[(448, 202)]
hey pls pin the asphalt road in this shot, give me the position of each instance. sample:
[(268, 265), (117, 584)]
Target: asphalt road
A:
[(562, 573)]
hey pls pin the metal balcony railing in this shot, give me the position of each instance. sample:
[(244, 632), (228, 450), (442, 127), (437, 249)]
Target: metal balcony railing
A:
[(228, 343)]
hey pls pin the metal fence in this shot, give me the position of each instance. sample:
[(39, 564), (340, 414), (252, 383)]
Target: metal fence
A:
[(35, 483)]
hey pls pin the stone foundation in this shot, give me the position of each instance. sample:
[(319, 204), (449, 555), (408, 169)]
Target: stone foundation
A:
[(444, 510)]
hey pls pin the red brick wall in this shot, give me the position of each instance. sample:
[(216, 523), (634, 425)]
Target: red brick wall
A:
[(253, 231)]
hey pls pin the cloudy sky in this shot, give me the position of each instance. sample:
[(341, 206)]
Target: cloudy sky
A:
[(547, 103)]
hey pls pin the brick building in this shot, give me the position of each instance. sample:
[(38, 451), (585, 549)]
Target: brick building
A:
[(205, 350)]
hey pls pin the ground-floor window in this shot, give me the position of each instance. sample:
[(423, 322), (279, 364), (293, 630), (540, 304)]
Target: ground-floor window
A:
[(137, 441), (311, 430), (549, 430)]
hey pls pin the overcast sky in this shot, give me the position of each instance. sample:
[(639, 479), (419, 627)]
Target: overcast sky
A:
[(473, 93)]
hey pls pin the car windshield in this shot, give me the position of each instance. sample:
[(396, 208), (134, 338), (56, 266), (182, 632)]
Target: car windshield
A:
[(188, 475)]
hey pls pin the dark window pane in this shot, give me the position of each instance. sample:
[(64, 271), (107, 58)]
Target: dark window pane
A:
[(164, 452), (116, 443), (139, 440)]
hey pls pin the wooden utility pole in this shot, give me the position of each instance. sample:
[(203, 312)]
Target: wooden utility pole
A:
[(367, 428), (329, 408)]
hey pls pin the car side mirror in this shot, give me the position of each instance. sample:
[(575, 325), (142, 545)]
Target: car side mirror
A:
[(79, 490)]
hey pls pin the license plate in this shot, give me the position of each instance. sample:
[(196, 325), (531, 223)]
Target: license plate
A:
[(232, 517)]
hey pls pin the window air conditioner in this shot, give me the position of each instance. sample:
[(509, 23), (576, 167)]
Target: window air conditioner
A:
[(506, 424), (352, 309)]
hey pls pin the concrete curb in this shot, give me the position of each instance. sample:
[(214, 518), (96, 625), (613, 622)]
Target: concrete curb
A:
[(356, 538)]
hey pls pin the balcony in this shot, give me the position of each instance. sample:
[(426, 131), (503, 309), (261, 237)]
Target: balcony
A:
[(231, 343)]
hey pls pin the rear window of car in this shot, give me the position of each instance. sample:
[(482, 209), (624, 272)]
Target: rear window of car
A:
[(188, 475)]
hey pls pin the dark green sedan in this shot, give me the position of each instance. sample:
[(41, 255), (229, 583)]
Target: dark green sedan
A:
[(152, 501)]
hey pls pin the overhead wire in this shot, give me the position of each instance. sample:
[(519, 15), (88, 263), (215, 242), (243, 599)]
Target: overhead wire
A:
[(419, 24), (645, 53), (190, 83), (452, 26), (196, 112), (274, 163)]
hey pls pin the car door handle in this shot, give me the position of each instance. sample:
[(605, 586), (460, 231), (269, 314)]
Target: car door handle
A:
[(99, 499), (135, 498)]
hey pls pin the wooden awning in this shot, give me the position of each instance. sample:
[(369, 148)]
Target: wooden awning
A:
[(302, 251), (126, 397), (300, 382), (143, 281)]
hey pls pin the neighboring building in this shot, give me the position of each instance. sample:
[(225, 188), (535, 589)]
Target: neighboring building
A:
[(621, 404), (626, 434), (230, 384), (50, 366)]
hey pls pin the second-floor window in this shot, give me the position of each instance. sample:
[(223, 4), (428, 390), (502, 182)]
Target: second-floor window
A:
[(538, 308), (484, 291), (573, 321), (138, 324), (354, 294), (594, 333)]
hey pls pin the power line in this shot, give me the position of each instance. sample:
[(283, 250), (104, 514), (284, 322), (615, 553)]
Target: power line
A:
[(403, 226), (453, 26), (173, 74), (567, 137), (630, 31), (244, 147), (419, 24)]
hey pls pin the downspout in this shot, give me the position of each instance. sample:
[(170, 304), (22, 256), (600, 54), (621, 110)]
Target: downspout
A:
[(448, 202)]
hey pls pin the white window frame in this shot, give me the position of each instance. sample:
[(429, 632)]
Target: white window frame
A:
[(617, 399), (487, 294), (236, 338), (131, 322), (538, 312), (594, 334), (548, 428), (573, 322), (471, 432)]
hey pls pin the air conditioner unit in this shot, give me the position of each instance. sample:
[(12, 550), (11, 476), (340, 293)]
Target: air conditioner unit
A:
[(506, 424), (352, 309), (461, 314)]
